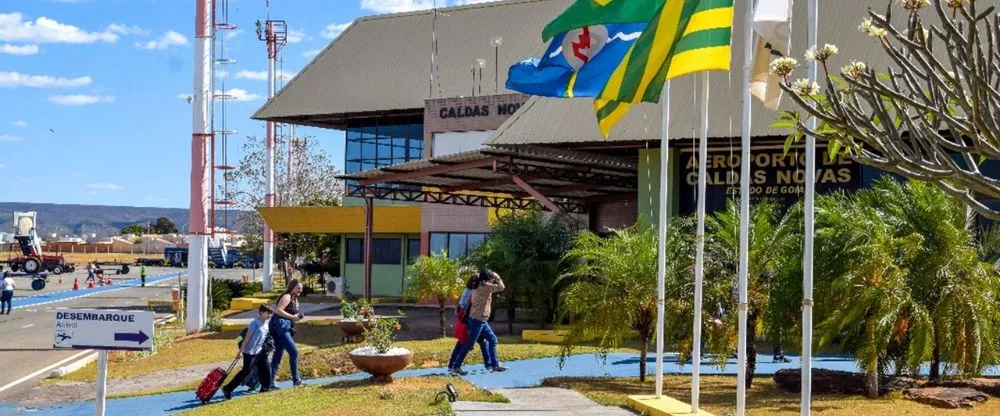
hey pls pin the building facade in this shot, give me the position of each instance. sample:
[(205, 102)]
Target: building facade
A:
[(439, 158)]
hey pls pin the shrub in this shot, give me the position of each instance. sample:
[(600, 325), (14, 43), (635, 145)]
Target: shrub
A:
[(382, 334), (348, 309), (221, 294), (214, 323)]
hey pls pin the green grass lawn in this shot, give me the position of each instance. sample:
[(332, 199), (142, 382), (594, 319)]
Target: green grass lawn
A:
[(718, 396), (404, 397)]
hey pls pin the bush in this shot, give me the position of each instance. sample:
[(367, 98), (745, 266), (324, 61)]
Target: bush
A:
[(381, 335), (221, 294), (214, 323)]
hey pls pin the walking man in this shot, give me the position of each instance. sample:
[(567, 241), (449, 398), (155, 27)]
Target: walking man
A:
[(7, 296), (142, 274)]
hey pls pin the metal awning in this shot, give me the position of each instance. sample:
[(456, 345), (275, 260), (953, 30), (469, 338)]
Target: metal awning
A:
[(504, 177)]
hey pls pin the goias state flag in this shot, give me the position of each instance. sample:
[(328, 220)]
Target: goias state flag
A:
[(684, 37), (588, 40)]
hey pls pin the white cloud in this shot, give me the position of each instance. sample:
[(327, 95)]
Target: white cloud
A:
[(18, 50), (107, 186), (13, 28), (296, 36), (333, 30), (127, 30), (183, 96), (262, 75), (222, 73), (239, 95), (17, 79), (19, 123), (170, 38), (233, 34), (312, 53), (10, 138), (254, 75), (2, 166), (396, 6), (80, 99)]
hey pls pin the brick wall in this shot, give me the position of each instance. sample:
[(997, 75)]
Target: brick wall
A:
[(614, 214)]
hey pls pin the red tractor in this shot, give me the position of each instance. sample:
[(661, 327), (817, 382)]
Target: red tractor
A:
[(32, 261)]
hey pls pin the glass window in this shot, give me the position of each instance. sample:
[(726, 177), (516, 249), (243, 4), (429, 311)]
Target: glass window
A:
[(367, 150), (353, 150), (475, 240), (457, 245), (413, 249), (439, 241), (355, 250), (387, 251)]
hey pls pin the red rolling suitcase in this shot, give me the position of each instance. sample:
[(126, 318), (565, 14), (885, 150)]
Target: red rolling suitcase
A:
[(210, 385)]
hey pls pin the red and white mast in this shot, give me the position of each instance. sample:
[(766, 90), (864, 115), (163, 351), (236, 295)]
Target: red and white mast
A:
[(201, 136), (275, 34)]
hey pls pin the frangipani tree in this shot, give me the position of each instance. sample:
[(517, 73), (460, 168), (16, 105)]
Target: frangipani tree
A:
[(933, 115)]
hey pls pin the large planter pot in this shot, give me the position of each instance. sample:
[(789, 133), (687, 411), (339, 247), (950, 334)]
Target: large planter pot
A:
[(381, 366), (354, 329)]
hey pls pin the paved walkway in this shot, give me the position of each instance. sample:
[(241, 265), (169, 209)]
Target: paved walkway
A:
[(522, 374), (546, 401)]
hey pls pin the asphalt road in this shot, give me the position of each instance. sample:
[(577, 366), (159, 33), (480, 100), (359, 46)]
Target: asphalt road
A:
[(26, 335)]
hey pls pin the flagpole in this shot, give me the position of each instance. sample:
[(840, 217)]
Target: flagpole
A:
[(699, 265), (744, 256), (661, 277), (807, 252)]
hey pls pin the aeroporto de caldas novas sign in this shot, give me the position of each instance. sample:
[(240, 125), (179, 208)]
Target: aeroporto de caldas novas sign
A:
[(774, 175)]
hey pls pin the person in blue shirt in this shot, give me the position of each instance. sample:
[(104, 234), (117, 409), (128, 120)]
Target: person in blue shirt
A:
[(254, 356), (455, 362)]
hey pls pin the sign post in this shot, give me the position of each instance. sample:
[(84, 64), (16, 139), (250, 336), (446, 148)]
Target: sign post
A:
[(104, 330)]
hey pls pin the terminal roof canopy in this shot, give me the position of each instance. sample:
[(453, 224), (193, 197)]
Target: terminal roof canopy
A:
[(504, 178)]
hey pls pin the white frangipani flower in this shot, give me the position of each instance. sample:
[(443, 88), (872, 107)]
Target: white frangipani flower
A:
[(854, 70), (821, 54), (805, 87), (783, 67)]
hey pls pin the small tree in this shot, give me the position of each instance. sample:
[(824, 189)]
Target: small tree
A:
[(612, 290), (164, 225), (934, 115), (439, 277), (134, 229)]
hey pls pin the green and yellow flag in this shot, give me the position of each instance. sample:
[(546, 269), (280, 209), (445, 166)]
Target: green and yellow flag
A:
[(684, 37)]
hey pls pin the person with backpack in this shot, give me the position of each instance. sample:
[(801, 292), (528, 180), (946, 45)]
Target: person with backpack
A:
[(254, 356)]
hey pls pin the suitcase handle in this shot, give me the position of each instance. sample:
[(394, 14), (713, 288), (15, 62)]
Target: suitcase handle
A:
[(235, 360)]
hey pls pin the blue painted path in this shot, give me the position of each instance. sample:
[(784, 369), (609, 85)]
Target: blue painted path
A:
[(527, 373), (46, 298)]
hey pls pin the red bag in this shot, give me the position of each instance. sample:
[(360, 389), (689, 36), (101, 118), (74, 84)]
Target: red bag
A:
[(210, 385), (461, 332)]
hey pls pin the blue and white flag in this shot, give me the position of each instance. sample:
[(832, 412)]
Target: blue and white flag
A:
[(577, 63)]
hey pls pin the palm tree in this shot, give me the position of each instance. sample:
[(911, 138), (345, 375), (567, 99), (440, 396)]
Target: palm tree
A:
[(772, 237), (437, 276), (862, 282), (948, 276), (612, 290)]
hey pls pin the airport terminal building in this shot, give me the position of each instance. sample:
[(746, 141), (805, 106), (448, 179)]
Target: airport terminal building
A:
[(437, 147)]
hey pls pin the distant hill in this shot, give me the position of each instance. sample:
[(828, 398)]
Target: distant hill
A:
[(102, 220)]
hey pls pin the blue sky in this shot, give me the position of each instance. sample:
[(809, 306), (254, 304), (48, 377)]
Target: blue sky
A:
[(93, 108)]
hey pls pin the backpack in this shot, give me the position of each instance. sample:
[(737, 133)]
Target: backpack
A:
[(268, 341)]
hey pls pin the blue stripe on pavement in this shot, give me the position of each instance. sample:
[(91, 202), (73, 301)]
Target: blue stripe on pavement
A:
[(520, 374), (46, 298)]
